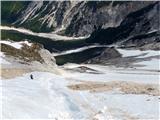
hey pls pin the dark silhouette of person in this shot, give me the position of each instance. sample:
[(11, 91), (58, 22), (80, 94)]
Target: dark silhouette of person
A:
[(31, 76), (95, 27)]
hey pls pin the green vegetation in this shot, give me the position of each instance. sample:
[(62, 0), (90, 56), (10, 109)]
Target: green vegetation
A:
[(10, 11)]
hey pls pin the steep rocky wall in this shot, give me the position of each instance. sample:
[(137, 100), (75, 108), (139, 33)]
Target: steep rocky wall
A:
[(137, 29), (72, 18)]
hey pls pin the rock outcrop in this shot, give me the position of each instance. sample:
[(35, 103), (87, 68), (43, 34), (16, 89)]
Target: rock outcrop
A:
[(107, 54), (136, 30)]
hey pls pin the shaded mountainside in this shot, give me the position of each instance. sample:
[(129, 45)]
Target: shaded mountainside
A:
[(138, 28)]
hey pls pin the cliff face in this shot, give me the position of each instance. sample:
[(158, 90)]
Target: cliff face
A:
[(137, 29), (105, 14), (66, 17)]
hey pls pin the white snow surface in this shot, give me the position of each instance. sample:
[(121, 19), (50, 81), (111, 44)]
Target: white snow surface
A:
[(78, 49), (17, 45), (116, 74), (138, 53), (13, 44), (47, 95), (153, 63), (2, 59), (39, 98)]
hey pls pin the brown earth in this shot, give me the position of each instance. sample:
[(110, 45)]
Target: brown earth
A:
[(26, 53), (122, 86), (8, 73)]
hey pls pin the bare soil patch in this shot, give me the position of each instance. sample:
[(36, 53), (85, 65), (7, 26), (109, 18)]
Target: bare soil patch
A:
[(8, 73), (122, 86)]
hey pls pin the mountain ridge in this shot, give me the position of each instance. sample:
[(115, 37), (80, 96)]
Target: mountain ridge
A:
[(70, 18)]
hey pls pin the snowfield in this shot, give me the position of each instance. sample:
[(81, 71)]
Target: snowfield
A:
[(48, 95), (153, 63), (138, 53), (25, 98)]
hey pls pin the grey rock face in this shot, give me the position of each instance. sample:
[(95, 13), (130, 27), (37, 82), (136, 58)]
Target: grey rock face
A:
[(105, 14), (146, 28), (137, 29), (75, 18), (107, 54)]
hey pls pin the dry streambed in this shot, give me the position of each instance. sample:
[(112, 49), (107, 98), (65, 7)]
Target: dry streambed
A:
[(122, 86)]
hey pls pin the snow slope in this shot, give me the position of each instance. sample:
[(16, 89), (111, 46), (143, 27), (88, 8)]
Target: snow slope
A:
[(151, 58), (48, 97), (2, 59), (38, 98)]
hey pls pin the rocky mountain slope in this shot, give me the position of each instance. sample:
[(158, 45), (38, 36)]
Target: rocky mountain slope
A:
[(137, 29), (73, 18), (47, 72), (121, 24)]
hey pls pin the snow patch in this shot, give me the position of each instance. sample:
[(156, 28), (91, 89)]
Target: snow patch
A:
[(78, 49), (138, 53), (26, 98), (153, 64), (53, 36), (13, 44), (17, 45), (2, 60)]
